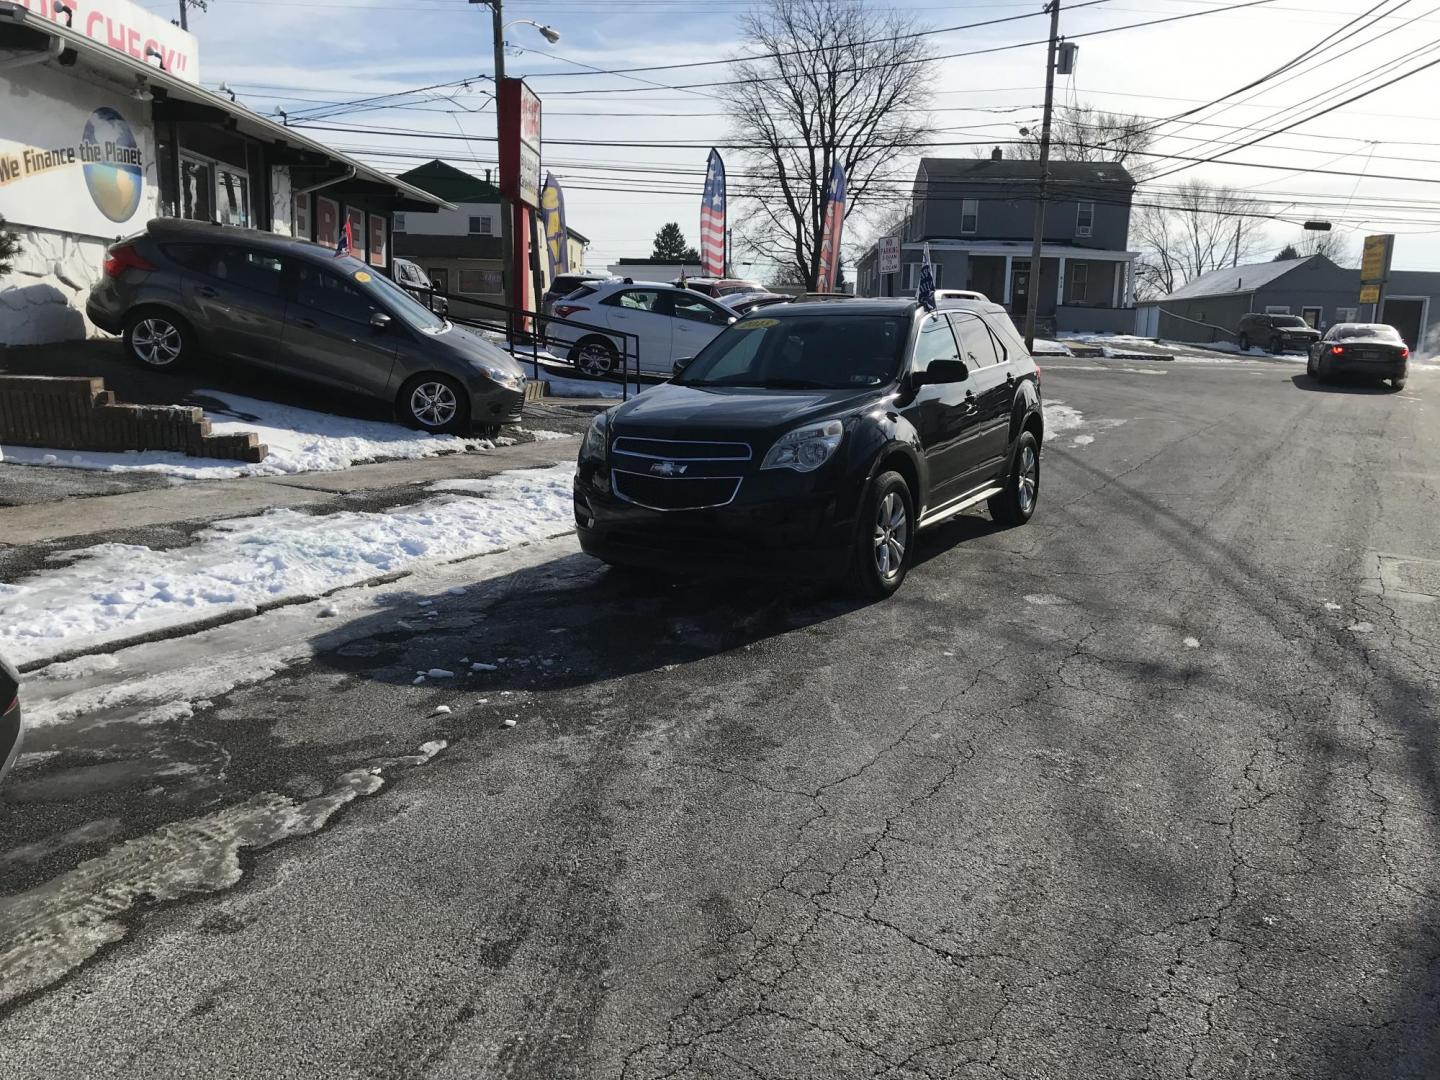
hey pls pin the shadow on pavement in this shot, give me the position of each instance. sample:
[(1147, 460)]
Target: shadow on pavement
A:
[(1343, 384)]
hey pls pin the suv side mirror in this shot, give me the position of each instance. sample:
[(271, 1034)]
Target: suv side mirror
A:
[(379, 320), (680, 365), (942, 371)]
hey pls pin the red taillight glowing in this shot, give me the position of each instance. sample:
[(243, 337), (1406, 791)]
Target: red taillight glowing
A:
[(1336, 350), (120, 259), (566, 310), (1404, 351)]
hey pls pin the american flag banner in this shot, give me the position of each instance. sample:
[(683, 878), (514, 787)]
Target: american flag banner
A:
[(712, 219), (830, 234)]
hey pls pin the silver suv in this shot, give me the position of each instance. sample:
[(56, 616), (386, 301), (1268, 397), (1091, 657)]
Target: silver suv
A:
[(183, 289)]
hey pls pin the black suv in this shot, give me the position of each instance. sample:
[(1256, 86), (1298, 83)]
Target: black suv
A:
[(1276, 333), (816, 439)]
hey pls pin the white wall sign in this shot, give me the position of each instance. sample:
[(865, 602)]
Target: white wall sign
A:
[(75, 157), (889, 254), (129, 28)]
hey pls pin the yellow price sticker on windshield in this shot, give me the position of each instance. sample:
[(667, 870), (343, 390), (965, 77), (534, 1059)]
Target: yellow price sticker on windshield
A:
[(361, 276), (756, 324)]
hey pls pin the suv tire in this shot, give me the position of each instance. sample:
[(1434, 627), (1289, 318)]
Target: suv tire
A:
[(158, 340), (1276, 346), (1397, 384), (434, 403), (1244, 342), (1015, 505), (884, 538)]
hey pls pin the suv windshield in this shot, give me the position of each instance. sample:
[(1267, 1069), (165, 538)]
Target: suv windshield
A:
[(391, 295), (820, 352), (1288, 320)]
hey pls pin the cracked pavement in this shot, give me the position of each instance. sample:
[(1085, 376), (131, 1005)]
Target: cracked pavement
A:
[(1145, 789)]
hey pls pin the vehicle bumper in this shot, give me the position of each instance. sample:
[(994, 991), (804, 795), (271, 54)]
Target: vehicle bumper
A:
[(491, 403), (104, 309), (776, 536), (1371, 369), (12, 732)]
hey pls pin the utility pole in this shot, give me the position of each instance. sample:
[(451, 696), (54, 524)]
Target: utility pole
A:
[(1235, 260), (509, 285), (184, 25), (1032, 308)]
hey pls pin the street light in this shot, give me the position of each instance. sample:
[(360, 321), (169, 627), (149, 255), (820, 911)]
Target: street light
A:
[(507, 239)]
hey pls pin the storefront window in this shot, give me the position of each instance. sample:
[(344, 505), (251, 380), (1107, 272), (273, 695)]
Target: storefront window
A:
[(480, 281), (327, 221), (357, 231), (377, 240), (300, 223), (232, 190), (197, 189)]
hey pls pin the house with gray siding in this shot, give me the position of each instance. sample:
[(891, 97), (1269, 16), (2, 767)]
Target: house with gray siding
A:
[(978, 218), (1209, 308)]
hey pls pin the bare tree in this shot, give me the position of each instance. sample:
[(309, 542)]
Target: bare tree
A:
[(1084, 133), (831, 80), (1335, 246), (1197, 228)]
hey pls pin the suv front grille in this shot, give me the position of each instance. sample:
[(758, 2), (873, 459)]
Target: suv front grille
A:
[(674, 493), (680, 449)]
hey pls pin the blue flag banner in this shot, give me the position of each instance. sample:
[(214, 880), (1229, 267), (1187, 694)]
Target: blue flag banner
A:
[(925, 288)]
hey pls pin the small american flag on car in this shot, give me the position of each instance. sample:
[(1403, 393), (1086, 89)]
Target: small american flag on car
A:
[(712, 219)]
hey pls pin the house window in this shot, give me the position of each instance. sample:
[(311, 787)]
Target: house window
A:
[(480, 225), (480, 282), (1346, 314), (399, 225), (440, 278), (197, 189), (1277, 309), (232, 196), (969, 216), (1079, 282), (1084, 218)]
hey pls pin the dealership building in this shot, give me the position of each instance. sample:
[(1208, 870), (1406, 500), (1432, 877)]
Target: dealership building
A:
[(103, 126)]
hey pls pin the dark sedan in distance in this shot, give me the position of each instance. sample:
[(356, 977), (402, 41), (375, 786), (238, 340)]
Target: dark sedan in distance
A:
[(11, 726), (1372, 350), (183, 288)]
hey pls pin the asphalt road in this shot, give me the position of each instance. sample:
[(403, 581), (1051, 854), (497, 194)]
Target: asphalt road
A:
[(1145, 789)]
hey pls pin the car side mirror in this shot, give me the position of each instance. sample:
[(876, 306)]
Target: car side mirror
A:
[(730, 320), (680, 365), (942, 371), (379, 320)]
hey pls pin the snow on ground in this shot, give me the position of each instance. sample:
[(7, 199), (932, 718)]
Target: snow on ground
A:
[(300, 440), (1060, 417), (1047, 347), (115, 591), (545, 436)]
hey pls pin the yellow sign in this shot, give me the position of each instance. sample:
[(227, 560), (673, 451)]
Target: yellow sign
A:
[(756, 324), (1369, 294), (1375, 261), (361, 276)]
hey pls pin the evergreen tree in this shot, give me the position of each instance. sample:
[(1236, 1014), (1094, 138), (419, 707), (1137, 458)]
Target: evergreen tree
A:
[(1287, 252), (670, 245)]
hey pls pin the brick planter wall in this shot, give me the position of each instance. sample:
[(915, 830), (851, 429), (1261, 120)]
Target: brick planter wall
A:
[(80, 414)]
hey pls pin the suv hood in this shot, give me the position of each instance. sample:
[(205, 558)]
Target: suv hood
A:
[(721, 412)]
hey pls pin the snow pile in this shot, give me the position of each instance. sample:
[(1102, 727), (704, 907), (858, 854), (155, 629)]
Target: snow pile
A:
[(300, 440), (116, 591), (1060, 417), (1046, 347)]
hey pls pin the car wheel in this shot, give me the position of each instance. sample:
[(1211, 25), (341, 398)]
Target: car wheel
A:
[(1310, 365), (1322, 374), (434, 403), (158, 339), (595, 357), (1244, 342), (883, 538), (1276, 347), (1015, 505), (1397, 384)]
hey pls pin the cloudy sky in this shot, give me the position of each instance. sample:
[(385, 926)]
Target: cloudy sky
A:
[(300, 54)]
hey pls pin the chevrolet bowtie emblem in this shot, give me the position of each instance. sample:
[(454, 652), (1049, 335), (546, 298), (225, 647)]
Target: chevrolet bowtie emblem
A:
[(668, 468)]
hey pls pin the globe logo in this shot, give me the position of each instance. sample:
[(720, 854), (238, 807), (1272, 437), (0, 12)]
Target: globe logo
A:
[(114, 170)]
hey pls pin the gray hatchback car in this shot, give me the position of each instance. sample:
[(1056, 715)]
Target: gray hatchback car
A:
[(182, 289)]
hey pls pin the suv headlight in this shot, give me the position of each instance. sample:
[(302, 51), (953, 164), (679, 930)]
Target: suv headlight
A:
[(596, 438), (805, 449)]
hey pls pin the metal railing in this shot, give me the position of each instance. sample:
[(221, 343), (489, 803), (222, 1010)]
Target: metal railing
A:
[(524, 329)]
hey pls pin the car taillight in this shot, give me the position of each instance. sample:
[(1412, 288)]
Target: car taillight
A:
[(1404, 351), (1037, 374), (1336, 350), (125, 257), (566, 310)]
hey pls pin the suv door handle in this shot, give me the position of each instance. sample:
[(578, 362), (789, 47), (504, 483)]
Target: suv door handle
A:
[(1009, 378), (309, 324), (206, 290)]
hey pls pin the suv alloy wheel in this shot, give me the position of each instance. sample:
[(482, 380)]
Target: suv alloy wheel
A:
[(157, 339), (883, 538)]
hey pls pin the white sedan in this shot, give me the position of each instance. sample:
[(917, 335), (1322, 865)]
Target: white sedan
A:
[(667, 324)]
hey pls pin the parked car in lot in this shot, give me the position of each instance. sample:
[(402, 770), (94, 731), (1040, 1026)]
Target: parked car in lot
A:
[(667, 323), (744, 303), (816, 440), (12, 728), (717, 287), (563, 286), (959, 294), (1275, 333), (410, 277), (182, 290), (1372, 350)]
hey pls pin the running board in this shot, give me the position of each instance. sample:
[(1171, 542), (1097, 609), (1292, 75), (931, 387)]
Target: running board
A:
[(945, 513)]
